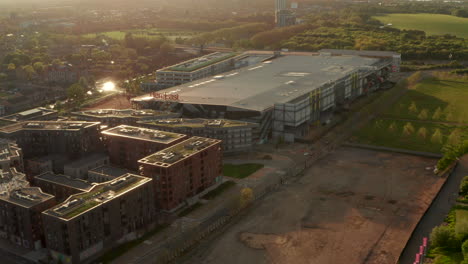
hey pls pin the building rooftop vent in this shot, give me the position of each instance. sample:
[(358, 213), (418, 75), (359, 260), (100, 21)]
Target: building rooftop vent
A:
[(129, 131), (215, 123), (24, 196), (159, 135), (34, 125)]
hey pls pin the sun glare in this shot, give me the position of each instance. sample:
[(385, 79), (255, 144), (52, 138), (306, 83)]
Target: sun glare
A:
[(108, 86)]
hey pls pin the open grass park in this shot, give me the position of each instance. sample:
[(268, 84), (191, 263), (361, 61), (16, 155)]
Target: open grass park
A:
[(430, 115), (146, 33), (432, 24)]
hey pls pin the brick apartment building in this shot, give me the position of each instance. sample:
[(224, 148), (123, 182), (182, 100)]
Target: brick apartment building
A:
[(11, 156), (20, 211), (108, 214), (184, 170), (127, 144), (40, 138), (62, 186), (105, 173), (237, 136), (79, 168)]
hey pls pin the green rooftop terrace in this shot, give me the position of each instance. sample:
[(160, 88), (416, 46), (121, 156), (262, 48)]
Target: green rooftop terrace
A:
[(99, 194), (196, 123), (202, 62), (179, 151)]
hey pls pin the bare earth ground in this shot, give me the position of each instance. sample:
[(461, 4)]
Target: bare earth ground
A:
[(119, 101), (355, 206)]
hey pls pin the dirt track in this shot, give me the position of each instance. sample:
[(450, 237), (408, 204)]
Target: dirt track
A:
[(355, 206)]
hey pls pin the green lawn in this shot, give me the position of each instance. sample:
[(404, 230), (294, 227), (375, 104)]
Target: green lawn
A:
[(447, 97), (389, 133), (432, 24), (241, 170)]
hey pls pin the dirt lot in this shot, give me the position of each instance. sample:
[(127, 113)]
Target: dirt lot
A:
[(355, 206)]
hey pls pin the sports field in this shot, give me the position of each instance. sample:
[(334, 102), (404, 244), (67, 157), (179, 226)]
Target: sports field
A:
[(432, 24)]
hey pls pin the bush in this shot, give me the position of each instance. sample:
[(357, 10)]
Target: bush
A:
[(451, 154), (464, 186), (442, 237), (464, 249)]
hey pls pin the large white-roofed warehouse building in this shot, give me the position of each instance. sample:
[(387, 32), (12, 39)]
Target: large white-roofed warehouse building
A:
[(284, 95)]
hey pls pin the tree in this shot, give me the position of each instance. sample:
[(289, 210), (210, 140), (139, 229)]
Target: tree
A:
[(414, 78), (76, 93), (11, 67), (437, 114), (455, 137), (392, 127), (408, 129), (246, 197), (166, 47), (413, 108), (422, 132), (437, 137), (423, 115), (83, 82), (29, 71), (3, 76), (38, 67)]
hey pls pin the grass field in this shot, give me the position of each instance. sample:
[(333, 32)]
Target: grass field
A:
[(447, 97), (431, 114), (241, 170), (432, 24), (146, 33), (390, 133)]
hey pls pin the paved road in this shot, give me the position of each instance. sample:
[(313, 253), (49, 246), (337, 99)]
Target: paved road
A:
[(437, 212)]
